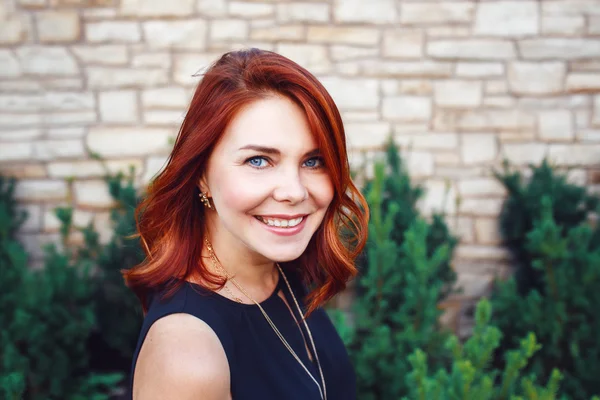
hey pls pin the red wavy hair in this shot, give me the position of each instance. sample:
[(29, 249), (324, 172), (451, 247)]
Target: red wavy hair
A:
[(170, 220)]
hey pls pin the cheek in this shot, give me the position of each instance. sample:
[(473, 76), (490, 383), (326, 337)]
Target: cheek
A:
[(323, 192), (236, 194)]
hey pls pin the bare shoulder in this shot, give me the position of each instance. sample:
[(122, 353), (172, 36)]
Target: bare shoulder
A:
[(181, 358)]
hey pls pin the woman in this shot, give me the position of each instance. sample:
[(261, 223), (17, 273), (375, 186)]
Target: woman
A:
[(251, 227)]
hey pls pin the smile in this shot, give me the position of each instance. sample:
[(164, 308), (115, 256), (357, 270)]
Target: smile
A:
[(280, 222)]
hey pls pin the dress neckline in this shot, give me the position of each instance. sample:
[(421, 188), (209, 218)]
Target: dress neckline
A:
[(272, 297)]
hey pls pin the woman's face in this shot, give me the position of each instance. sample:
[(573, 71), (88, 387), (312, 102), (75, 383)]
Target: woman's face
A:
[(267, 181)]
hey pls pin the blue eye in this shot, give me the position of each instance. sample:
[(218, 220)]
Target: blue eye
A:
[(315, 162), (257, 162)]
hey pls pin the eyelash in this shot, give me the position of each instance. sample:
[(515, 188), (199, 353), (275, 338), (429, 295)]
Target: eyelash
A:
[(319, 159)]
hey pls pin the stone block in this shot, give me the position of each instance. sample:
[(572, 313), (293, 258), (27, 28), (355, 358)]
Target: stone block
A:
[(56, 149), (456, 93), (583, 82), (58, 26), (507, 18), (14, 120), (362, 135), (124, 78), (570, 7), (524, 153), (169, 97), (479, 69), (489, 207), (119, 106), (499, 101), (311, 56), (596, 111), (594, 26), (496, 87), (113, 31), (20, 135), (186, 35), (480, 187), (406, 108), (559, 48), (561, 25), (471, 49), (478, 120), (365, 36), (427, 140), (92, 194), (407, 69), (479, 148), (358, 11), (92, 168), (157, 8), (479, 252), (69, 118), (10, 64), (251, 10), (56, 101), (187, 67), (463, 228), (415, 86), (38, 60), (112, 142), (353, 94), (536, 78), (37, 190), (15, 29), (574, 154), (212, 8), (101, 55), (440, 197), (23, 171), (487, 231), (33, 223), (16, 151), (556, 125), (21, 102), (440, 12), (403, 43), (228, 29), (164, 117), (343, 53), (155, 59), (277, 32), (33, 4), (302, 12), (421, 164)]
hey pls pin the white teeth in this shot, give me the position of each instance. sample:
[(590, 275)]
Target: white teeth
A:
[(283, 223)]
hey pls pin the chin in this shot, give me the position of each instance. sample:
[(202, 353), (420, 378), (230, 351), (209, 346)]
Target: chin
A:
[(282, 255)]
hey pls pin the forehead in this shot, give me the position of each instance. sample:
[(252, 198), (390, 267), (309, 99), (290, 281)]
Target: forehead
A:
[(275, 121)]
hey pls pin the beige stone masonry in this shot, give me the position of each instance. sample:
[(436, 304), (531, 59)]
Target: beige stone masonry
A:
[(460, 84)]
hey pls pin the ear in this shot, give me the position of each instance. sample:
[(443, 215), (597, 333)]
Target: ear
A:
[(203, 186)]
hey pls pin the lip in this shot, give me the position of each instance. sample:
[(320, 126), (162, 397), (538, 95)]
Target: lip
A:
[(284, 231), (283, 216)]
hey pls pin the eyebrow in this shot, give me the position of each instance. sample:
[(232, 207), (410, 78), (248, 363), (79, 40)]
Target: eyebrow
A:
[(274, 151)]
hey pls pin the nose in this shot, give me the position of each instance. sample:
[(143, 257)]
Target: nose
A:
[(290, 188)]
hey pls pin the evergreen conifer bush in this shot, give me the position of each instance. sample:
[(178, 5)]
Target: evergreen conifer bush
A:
[(404, 274), (554, 293), (472, 375), (46, 317)]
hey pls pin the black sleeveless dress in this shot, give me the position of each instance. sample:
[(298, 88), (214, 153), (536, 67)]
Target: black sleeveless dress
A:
[(261, 368)]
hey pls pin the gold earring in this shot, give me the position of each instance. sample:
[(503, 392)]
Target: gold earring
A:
[(205, 201)]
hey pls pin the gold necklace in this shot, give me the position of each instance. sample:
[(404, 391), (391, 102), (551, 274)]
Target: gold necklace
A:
[(216, 263)]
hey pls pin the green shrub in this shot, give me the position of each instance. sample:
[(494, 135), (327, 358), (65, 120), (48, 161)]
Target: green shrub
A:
[(471, 374), (404, 274), (46, 316), (555, 290)]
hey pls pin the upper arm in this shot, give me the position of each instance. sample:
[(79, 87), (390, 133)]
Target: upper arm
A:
[(181, 358)]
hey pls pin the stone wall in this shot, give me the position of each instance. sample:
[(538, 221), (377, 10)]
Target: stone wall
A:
[(463, 84)]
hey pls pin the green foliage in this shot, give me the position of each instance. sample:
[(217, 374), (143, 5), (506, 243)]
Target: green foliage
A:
[(46, 316), (471, 375), (572, 206), (556, 294), (404, 274)]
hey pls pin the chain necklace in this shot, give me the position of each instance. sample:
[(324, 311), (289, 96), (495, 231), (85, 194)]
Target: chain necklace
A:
[(217, 264)]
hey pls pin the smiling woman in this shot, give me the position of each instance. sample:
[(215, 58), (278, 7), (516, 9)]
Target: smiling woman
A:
[(243, 238)]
